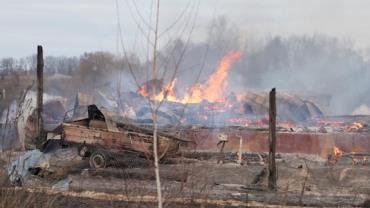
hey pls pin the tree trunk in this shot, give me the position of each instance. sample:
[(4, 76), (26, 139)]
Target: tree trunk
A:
[(154, 114), (156, 161)]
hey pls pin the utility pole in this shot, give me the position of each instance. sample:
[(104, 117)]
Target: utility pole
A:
[(40, 71), (272, 141)]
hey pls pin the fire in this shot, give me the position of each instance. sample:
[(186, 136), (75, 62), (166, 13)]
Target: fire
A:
[(286, 124), (167, 92), (211, 91), (355, 126), (241, 121), (337, 152), (143, 92)]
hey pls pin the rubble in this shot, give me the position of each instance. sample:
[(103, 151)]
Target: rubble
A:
[(216, 182), (62, 185), (349, 159), (53, 164), (18, 170)]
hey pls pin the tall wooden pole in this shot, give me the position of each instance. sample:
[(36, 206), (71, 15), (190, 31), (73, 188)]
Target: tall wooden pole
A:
[(272, 141), (40, 69)]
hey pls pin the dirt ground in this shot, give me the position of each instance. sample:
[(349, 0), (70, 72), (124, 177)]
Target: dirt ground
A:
[(303, 180)]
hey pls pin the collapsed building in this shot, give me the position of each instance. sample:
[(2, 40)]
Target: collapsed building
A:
[(202, 111), (302, 126)]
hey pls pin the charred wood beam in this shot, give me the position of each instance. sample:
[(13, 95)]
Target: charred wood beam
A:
[(272, 142), (40, 71)]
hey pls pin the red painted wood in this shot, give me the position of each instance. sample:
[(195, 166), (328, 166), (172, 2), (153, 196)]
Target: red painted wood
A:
[(257, 141)]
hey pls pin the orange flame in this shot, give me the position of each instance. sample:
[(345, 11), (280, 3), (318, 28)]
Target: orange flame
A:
[(286, 124), (355, 126), (167, 92), (143, 92), (212, 91), (337, 152)]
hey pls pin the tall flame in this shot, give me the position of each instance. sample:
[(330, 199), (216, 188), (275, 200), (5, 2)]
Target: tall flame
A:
[(212, 91)]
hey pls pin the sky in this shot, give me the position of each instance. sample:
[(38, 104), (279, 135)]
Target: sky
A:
[(71, 27)]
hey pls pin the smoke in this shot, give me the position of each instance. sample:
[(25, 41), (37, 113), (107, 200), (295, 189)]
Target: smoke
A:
[(327, 70), (316, 65)]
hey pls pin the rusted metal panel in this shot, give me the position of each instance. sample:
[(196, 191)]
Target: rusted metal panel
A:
[(257, 141)]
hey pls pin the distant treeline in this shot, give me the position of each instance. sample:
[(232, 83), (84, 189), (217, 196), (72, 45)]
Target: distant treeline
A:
[(94, 61)]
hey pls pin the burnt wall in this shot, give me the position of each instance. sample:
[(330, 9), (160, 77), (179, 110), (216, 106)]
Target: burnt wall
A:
[(256, 141)]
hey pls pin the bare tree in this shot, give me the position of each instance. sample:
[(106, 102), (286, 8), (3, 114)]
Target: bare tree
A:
[(152, 38), (8, 64), (154, 113)]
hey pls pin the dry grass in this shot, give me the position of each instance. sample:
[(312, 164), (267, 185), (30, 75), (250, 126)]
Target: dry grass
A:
[(14, 198)]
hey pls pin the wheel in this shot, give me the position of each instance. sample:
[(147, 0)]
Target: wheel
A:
[(83, 151), (98, 160)]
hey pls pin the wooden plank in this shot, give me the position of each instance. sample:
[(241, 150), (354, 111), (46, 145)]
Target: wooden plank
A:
[(98, 124)]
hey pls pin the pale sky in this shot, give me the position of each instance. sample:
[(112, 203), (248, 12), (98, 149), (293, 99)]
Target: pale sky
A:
[(71, 27)]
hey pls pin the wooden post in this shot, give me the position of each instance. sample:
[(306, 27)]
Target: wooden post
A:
[(40, 69), (222, 138), (272, 141), (240, 154), (3, 94)]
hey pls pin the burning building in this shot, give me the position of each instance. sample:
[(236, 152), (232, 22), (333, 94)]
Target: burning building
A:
[(208, 107), (209, 103)]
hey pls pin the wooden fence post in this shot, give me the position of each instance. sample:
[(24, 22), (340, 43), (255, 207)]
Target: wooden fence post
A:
[(240, 154), (40, 71), (272, 141)]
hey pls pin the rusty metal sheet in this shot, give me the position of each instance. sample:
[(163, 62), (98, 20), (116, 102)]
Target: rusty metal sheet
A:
[(256, 141)]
